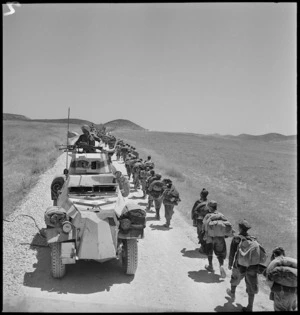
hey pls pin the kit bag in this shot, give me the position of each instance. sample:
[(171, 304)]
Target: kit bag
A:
[(218, 226), (136, 216), (201, 209), (172, 197), (283, 270), (250, 252), (156, 189)]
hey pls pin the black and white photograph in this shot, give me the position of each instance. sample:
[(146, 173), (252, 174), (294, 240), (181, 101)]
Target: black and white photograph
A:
[(149, 157)]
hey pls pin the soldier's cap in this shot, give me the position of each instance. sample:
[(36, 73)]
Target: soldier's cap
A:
[(158, 176), (212, 205), (278, 251), (204, 192), (118, 172), (85, 127), (244, 225)]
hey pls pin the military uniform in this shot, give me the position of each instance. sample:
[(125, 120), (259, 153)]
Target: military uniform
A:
[(212, 245), (143, 177), (169, 202), (240, 272)]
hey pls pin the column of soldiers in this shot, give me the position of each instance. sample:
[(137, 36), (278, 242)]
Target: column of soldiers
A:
[(246, 255), (159, 191)]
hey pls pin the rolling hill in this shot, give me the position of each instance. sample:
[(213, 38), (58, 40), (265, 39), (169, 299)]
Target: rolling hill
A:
[(14, 117), (267, 137), (117, 124), (122, 124)]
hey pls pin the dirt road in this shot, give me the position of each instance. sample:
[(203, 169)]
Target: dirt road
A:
[(170, 274)]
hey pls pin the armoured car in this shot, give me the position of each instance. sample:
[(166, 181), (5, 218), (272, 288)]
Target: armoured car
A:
[(90, 218)]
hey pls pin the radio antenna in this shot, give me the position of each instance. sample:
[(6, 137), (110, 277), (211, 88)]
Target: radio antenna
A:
[(68, 138)]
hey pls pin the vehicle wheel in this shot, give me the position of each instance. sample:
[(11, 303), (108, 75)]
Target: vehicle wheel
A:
[(130, 256), (56, 185), (58, 269)]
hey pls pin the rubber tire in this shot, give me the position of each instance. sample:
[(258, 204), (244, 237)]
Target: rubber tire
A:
[(130, 256), (56, 185), (58, 269)]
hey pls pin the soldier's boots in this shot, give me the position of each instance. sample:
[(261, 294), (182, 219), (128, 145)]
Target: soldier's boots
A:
[(157, 215), (209, 268)]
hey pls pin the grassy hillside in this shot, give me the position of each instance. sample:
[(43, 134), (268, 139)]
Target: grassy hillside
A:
[(117, 124), (255, 180), (29, 149)]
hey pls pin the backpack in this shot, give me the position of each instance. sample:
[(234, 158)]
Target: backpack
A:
[(218, 226), (250, 252), (283, 270), (201, 209), (143, 174), (149, 164), (172, 196), (156, 188)]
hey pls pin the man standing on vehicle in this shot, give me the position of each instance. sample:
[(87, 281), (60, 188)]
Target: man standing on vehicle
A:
[(87, 138)]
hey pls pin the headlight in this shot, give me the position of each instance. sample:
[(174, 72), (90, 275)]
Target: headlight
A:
[(67, 227), (125, 224)]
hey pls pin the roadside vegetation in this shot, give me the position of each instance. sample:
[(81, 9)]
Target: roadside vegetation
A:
[(250, 179), (29, 149)]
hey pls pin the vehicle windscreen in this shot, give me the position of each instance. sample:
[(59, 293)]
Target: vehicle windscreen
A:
[(93, 190)]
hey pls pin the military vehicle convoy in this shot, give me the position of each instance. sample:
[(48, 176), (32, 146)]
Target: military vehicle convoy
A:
[(90, 219)]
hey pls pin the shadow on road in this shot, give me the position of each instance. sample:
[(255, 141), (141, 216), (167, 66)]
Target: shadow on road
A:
[(192, 253), (84, 277), (159, 227), (151, 219), (229, 307), (204, 276)]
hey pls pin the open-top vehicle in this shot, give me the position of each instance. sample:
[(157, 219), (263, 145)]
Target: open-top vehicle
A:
[(90, 218)]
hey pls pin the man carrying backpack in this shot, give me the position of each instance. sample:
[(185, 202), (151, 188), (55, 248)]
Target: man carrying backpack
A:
[(123, 183), (155, 190), (214, 244), (244, 258), (149, 180), (198, 213), (170, 199), (281, 275), (144, 173)]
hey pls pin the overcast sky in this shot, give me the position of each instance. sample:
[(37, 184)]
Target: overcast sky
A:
[(192, 67)]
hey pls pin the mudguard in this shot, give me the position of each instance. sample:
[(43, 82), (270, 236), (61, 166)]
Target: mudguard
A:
[(56, 235)]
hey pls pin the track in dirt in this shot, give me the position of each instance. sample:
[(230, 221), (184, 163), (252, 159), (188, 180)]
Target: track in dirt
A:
[(170, 274)]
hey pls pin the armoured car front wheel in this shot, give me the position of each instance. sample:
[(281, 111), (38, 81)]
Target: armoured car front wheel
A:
[(58, 269), (130, 256)]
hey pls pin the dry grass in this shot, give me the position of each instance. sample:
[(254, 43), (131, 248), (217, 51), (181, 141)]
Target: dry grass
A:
[(29, 149), (249, 179)]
